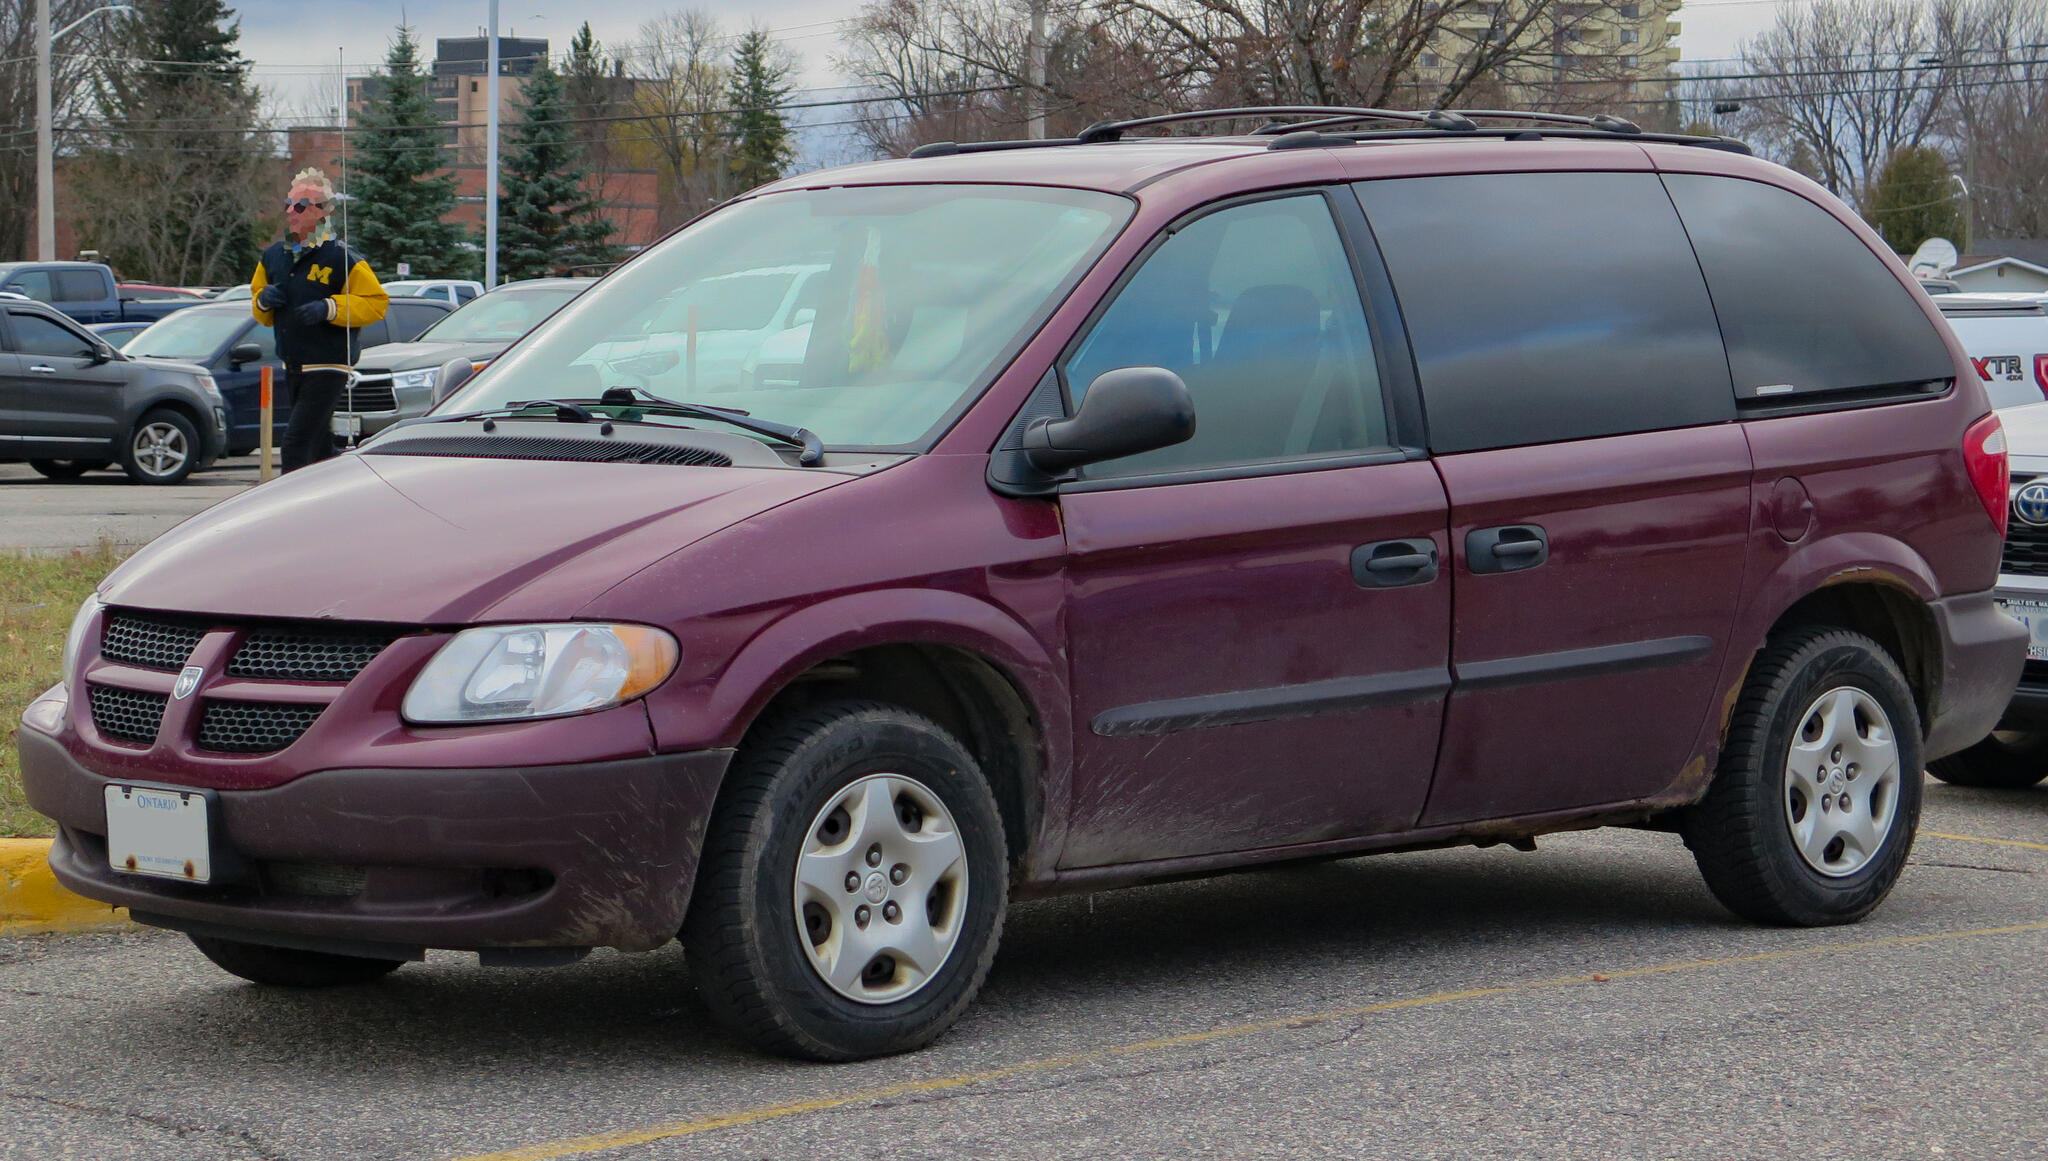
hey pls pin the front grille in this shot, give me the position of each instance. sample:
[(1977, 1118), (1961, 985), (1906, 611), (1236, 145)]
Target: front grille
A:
[(131, 715), (2034, 673), (328, 880), (527, 447), (2026, 549), (308, 653), (368, 396), (153, 642), (253, 727)]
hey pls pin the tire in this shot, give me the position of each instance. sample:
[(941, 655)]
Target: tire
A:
[(1766, 835), (2006, 760), (163, 449), (837, 976), (65, 469), (290, 968)]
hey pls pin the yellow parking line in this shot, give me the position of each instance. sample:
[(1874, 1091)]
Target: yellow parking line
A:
[(582, 1146), (1970, 838)]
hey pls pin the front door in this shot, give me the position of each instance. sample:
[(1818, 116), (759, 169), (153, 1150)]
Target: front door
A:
[(71, 405), (1258, 619)]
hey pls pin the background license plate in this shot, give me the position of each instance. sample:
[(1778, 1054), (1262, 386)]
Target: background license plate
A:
[(159, 832), (348, 424), (2034, 615)]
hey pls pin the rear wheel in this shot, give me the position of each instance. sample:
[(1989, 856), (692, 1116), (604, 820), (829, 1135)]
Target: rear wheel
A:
[(1813, 808), (288, 967), (65, 469), (852, 888), (2006, 760), (163, 449)]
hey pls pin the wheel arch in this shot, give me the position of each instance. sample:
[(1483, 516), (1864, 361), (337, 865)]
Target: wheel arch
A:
[(1889, 612)]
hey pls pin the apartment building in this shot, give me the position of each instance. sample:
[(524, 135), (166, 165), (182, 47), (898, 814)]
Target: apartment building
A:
[(1619, 56)]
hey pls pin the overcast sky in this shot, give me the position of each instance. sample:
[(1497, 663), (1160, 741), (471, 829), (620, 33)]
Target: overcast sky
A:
[(299, 47)]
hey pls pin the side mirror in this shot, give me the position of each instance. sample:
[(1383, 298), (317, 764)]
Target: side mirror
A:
[(454, 373), (99, 355), (1125, 411), (243, 353)]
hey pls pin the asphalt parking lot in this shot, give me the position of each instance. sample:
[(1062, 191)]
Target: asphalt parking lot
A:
[(42, 516), (1589, 1000)]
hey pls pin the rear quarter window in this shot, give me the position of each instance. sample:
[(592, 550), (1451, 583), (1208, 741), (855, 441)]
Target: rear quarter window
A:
[(1806, 308), (1549, 306)]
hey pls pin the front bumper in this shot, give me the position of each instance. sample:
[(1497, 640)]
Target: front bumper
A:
[(599, 854)]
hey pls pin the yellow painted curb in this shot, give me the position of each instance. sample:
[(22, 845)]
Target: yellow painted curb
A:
[(31, 902)]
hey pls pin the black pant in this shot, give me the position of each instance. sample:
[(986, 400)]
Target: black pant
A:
[(309, 435)]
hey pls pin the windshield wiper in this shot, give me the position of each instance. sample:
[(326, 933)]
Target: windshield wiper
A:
[(813, 452)]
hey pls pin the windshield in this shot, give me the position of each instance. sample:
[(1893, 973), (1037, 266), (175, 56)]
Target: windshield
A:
[(501, 316), (870, 315), (189, 334)]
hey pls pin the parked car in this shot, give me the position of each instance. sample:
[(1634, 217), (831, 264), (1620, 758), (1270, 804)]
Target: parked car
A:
[(711, 334), (151, 290), (70, 403), (234, 294), (397, 380), (226, 339), (86, 292), (453, 291), (2006, 338), (1139, 509), (118, 334)]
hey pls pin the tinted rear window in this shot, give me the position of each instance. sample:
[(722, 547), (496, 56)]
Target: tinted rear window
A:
[(1549, 306), (1805, 306)]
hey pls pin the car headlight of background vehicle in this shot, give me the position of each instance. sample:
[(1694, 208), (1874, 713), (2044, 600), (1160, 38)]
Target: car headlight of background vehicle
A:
[(515, 672), (417, 379), (74, 641)]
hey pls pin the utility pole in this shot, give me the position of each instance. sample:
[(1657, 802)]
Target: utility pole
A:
[(46, 165), (490, 157), (1034, 74)]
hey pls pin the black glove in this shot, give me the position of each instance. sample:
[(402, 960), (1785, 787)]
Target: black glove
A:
[(271, 298), (308, 313)]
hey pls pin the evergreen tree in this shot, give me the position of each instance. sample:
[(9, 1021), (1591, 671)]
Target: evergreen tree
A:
[(177, 191), (762, 149), (1916, 198), (547, 219), (399, 194)]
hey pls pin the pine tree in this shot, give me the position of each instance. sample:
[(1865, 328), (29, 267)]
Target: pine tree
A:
[(762, 148), (546, 217), (1916, 198), (399, 196), (177, 200)]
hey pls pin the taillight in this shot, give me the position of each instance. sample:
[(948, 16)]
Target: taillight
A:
[(1984, 455), (2041, 373)]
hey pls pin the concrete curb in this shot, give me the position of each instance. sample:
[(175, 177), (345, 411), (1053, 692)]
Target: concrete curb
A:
[(31, 902)]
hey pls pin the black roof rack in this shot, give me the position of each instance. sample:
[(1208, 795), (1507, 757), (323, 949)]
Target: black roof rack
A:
[(1417, 125)]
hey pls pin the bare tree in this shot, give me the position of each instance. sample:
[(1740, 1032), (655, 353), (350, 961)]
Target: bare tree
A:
[(680, 74), (1999, 127), (70, 74)]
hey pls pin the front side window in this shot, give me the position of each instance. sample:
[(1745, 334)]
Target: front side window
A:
[(191, 335), (1806, 307), (1255, 308), (1549, 306), (869, 315), (36, 335)]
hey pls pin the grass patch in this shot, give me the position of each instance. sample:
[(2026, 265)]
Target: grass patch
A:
[(38, 597)]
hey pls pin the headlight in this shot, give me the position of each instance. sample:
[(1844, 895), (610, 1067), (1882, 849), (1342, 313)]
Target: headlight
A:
[(418, 379), (74, 641), (511, 672)]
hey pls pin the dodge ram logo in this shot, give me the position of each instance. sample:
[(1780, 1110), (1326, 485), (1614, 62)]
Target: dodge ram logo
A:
[(2030, 504), (188, 677)]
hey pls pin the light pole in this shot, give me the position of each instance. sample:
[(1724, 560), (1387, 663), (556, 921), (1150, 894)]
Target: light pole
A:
[(46, 165), (491, 157)]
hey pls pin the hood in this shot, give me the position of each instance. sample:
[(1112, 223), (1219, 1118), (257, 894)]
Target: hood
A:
[(181, 366), (2026, 431), (420, 356), (422, 540)]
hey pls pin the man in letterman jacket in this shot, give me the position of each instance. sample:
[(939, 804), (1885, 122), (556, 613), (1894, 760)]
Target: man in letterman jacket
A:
[(317, 294)]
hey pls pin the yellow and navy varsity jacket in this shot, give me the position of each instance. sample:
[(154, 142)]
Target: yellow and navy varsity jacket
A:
[(329, 271)]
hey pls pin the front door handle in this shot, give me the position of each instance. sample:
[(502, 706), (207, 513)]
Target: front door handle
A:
[(1390, 564), (1507, 548), (43, 369)]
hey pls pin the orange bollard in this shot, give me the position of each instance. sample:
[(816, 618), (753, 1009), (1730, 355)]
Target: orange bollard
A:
[(263, 414)]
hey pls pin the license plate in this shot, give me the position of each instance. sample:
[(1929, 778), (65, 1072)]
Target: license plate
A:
[(158, 832), (2034, 615), (348, 425)]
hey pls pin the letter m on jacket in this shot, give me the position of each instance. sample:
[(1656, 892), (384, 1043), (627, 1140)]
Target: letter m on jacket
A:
[(320, 274)]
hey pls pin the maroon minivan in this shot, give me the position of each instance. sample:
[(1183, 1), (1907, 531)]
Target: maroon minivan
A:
[(1035, 517)]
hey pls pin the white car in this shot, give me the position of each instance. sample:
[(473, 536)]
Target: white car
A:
[(453, 291), (2006, 336), (704, 338), (2015, 755)]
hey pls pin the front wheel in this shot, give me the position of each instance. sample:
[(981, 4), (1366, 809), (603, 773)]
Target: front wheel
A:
[(163, 449), (2007, 760), (289, 967), (852, 888), (1813, 809)]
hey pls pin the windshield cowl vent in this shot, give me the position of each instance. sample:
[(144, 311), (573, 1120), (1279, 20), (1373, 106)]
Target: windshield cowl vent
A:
[(530, 447)]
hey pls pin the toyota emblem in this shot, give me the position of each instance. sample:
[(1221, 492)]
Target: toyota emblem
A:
[(2030, 504)]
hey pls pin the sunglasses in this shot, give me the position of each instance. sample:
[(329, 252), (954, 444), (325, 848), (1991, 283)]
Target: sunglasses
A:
[(301, 205)]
